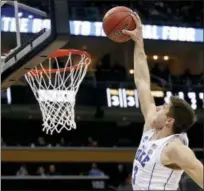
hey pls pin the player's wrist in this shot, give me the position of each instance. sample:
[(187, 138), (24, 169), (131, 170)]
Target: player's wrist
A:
[(139, 44), (139, 50)]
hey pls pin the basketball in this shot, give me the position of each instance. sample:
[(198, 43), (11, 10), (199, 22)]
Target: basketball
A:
[(117, 19)]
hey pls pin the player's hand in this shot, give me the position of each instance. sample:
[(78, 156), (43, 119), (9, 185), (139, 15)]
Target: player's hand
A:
[(136, 35)]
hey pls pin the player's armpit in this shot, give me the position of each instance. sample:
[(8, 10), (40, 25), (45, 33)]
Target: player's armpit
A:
[(182, 156), (146, 99)]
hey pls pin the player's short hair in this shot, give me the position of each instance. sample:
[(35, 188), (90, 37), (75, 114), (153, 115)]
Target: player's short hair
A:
[(182, 113)]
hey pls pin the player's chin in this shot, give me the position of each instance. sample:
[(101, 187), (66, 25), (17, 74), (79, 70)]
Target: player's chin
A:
[(156, 124), (159, 127)]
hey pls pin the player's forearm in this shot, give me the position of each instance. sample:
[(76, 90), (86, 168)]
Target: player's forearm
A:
[(141, 70), (196, 173), (199, 175), (142, 81)]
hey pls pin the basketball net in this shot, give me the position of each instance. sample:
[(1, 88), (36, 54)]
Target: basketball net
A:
[(56, 89)]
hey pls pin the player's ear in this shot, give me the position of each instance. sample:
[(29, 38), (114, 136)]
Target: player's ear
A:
[(170, 121)]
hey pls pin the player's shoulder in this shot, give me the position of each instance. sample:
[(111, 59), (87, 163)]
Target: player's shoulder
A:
[(175, 149), (171, 151), (174, 146), (177, 153)]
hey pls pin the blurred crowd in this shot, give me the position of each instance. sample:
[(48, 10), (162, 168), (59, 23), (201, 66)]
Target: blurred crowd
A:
[(42, 142), (40, 171), (183, 13), (160, 74), (88, 134), (119, 174), (52, 170), (90, 142), (162, 12)]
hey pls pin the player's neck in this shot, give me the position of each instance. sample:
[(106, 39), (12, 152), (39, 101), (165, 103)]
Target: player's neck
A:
[(162, 133)]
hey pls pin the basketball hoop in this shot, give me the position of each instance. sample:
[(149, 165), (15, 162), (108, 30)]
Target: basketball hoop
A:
[(56, 89)]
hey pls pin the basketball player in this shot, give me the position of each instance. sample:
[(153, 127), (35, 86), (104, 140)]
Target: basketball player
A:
[(163, 153)]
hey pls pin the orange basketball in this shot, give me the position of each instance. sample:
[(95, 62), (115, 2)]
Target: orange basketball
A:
[(117, 19)]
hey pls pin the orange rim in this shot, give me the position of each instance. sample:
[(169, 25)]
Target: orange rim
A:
[(65, 52), (61, 53)]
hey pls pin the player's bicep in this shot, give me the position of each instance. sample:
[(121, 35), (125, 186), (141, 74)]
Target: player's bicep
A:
[(181, 155), (146, 99)]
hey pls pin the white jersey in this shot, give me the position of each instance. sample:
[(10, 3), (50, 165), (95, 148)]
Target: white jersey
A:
[(148, 172)]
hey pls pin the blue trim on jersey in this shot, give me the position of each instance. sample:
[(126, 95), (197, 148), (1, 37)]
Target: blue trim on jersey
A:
[(168, 179), (151, 176)]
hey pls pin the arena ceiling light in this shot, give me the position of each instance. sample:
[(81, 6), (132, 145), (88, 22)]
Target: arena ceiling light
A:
[(131, 71), (166, 58), (155, 57)]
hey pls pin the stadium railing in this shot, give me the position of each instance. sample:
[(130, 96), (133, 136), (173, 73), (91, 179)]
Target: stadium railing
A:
[(71, 154)]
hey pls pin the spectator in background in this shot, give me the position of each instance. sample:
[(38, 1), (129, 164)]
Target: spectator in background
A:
[(22, 171), (95, 171), (121, 174), (61, 143), (91, 142), (41, 171), (95, 144), (126, 185), (41, 142), (52, 170), (32, 145)]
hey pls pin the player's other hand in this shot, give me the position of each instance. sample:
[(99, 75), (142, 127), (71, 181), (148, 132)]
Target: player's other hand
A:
[(136, 35)]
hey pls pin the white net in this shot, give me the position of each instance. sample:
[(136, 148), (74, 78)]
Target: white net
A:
[(56, 89)]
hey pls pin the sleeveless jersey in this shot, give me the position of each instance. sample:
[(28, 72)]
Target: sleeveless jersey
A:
[(148, 172)]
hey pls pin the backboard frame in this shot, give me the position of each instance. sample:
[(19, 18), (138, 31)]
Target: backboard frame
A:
[(35, 52)]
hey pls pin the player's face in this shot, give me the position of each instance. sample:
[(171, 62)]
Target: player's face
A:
[(160, 117)]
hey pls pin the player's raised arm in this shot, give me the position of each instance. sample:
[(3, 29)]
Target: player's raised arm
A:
[(183, 157), (141, 71)]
